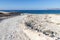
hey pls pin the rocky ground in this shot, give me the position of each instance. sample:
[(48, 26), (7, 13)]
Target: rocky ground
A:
[(5, 15), (31, 27)]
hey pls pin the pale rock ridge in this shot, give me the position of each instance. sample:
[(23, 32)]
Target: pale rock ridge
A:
[(29, 27)]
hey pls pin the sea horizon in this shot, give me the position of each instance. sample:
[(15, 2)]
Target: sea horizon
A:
[(34, 11)]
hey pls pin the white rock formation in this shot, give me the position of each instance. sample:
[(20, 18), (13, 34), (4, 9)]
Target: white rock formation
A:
[(31, 27)]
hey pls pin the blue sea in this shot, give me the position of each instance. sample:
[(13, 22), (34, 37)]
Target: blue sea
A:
[(35, 11)]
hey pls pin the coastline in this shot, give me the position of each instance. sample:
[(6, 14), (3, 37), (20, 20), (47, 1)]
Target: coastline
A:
[(6, 15)]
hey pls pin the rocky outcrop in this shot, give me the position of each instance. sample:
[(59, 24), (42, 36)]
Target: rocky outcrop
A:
[(5, 15), (31, 27), (2, 14)]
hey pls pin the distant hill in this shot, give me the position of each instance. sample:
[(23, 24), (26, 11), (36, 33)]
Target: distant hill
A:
[(53, 9)]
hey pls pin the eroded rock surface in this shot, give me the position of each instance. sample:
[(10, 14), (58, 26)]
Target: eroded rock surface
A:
[(5, 15), (31, 27)]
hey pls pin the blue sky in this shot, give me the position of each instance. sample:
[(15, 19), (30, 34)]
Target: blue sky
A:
[(29, 4)]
